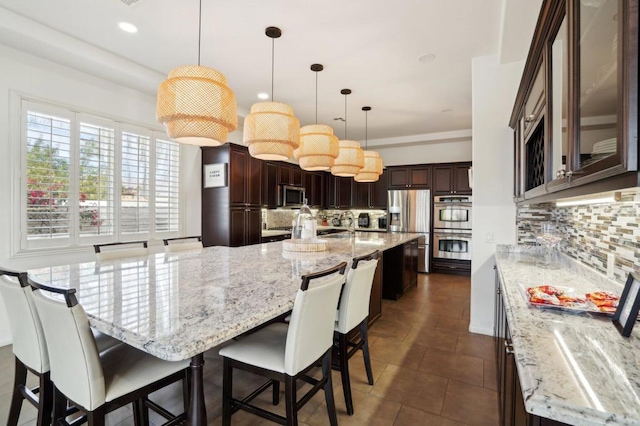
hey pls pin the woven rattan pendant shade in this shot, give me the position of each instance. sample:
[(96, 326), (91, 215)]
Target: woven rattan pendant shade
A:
[(271, 131), (196, 106), (372, 168), (349, 161), (318, 147)]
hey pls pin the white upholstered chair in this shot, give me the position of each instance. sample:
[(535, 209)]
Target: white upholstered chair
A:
[(97, 383), (30, 347), (121, 250), (282, 352), (173, 245), (353, 312)]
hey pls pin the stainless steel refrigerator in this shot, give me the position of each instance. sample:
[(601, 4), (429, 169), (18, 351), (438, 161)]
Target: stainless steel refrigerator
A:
[(410, 211)]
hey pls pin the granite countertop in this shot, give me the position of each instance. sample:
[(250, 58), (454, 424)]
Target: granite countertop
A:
[(275, 232), (177, 305), (573, 367)]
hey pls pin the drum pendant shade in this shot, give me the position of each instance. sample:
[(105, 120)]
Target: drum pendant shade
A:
[(318, 147), (196, 106), (271, 131), (372, 168), (349, 161)]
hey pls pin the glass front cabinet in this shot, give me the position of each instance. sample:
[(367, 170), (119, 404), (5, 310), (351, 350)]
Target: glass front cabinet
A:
[(575, 119)]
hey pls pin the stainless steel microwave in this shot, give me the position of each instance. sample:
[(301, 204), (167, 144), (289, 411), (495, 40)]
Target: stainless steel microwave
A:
[(290, 196)]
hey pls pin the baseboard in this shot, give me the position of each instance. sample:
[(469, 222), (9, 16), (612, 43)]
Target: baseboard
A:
[(481, 330)]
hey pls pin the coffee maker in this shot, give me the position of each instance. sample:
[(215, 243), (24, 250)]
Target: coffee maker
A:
[(364, 220)]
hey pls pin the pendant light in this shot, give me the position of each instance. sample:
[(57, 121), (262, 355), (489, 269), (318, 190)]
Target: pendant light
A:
[(318, 145), (271, 131), (372, 162), (351, 157), (195, 104)]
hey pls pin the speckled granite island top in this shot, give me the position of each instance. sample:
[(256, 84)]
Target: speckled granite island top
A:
[(574, 368), (175, 306)]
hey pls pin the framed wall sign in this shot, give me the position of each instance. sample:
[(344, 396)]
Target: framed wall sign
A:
[(215, 175), (627, 313)]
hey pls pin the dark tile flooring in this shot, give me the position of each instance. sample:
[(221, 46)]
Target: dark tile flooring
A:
[(428, 370)]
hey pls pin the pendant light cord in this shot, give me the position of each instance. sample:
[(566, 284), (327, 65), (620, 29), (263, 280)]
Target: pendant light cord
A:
[(345, 117), (199, 31), (273, 44), (316, 98), (366, 130)]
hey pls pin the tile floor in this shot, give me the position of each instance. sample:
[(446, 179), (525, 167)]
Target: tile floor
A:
[(428, 370)]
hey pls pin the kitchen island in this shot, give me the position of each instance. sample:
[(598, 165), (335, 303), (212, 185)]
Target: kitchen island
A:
[(573, 368)]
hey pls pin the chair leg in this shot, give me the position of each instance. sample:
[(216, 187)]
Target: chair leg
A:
[(186, 388), (59, 406), (96, 417), (45, 400), (19, 380), (227, 386), (364, 333), (291, 400), (276, 392), (328, 389), (344, 371), (137, 421)]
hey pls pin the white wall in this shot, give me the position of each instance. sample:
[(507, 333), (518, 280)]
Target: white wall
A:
[(39, 78), (494, 88), (426, 152)]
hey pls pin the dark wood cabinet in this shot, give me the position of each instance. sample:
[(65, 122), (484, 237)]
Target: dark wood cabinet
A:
[(451, 179), (575, 117), (269, 185), (410, 275), (414, 177), (231, 214), (370, 195), (314, 187), (400, 265), (289, 174), (339, 192)]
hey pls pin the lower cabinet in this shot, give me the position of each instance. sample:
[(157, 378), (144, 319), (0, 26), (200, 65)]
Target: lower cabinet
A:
[(510, 400), (400, 269), (246, 226), (410, 277), (451, 266)]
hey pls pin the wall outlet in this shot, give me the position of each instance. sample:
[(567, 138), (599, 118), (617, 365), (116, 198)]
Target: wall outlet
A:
[(611, 263), (489, 237)]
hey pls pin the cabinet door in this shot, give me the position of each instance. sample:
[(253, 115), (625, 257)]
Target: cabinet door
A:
[(379, 192), (317, 188), (420, 177), (237, 227), (398, 178), (270, 185), (361, 195), (461, 180), (254, 179), (284, 175), (330, 191), (296, 176), (343, 192), (253, 226), (442, 180), (238, 166)]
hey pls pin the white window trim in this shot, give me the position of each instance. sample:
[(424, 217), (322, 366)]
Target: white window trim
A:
[(17, 153)]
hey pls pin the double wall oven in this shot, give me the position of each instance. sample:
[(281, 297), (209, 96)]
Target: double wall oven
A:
[(452, 227)]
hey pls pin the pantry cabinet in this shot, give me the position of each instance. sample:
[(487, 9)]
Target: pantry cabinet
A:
[(575, 118)]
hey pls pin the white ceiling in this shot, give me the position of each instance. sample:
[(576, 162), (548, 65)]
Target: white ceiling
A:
[(369, 46)]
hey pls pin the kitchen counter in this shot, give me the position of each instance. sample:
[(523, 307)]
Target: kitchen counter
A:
[(277, 232), (573, 368)]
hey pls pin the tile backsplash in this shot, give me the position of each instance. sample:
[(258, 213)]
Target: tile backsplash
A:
[(592, 232), (278, 218)]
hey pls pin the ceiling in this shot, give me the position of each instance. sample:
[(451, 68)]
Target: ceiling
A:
[(369, 46)]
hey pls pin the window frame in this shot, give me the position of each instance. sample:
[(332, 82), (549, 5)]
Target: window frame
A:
[(75, 241)]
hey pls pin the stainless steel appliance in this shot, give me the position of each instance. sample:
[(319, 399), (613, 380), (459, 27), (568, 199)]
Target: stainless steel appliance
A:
[(452, 244), (290, 196), (363, 220), (452, 212), (410, 211)]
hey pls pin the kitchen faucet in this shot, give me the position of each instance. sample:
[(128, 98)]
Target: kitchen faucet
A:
[(352, 224)]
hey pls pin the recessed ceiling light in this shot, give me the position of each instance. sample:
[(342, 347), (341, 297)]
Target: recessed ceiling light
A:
[(127, 27), (426, 58), (263, 95)]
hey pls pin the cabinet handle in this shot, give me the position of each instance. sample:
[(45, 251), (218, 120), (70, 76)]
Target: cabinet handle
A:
[(530, 118), (561, 173), (509, 350)]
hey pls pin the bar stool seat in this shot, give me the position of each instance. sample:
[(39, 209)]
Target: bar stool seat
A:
[(263, 349)]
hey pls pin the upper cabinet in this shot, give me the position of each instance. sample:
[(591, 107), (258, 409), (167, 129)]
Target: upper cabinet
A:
[(576, 112), (451, 179), (405, 177)]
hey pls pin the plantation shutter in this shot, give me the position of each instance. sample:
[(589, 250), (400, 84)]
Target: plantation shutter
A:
[(96, 183), (135, 173), (167, 186), (48, 150)]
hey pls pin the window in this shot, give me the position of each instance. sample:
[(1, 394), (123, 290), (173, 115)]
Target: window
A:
[(87, 179)]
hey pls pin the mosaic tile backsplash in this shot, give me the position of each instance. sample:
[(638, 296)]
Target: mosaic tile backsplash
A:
[(592, 232)]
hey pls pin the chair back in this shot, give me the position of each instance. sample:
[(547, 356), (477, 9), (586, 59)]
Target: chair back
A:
[(173, 245), (76, 369), (354, 302), (113, 251), (29, 344), (310, 332)]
